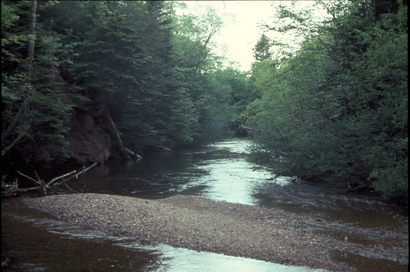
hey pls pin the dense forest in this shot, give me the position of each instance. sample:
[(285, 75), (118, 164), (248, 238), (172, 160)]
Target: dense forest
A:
[(86, 81), (336, 110), (151, 71)]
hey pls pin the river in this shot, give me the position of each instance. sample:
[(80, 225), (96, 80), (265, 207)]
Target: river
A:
[(219, 171)]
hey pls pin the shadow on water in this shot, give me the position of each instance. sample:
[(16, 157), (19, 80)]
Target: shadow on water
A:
[(220, 171), (36, 243)]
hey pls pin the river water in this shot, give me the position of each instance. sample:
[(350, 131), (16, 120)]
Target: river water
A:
[(219, 171)]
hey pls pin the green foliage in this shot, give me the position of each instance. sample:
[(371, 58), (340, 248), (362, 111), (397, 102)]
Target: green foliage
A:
[(337, 110), (35, 108), (261, 50), (145, 65)]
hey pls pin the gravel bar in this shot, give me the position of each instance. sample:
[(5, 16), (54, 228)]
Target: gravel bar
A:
[(200, 224)]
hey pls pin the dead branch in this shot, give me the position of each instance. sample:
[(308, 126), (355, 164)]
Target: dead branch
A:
[(52, 185), (30, 178), (73, 173), (71, 189), (28, 189), (60, 177), (35, 172)]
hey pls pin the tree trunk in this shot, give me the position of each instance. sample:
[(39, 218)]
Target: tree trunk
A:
[(32, 41), (125, 153)]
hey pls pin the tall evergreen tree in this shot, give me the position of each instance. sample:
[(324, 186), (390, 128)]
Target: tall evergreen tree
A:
[(261, 49)]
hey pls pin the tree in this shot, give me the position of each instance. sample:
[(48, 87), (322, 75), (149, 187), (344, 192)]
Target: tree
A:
[(22, 110), (261, 49), (35, 107)]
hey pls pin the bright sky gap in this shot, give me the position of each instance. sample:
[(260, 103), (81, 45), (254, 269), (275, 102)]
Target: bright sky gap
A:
[(241, 25)]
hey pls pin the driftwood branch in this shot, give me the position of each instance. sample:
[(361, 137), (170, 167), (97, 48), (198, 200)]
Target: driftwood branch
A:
[(30, 178), (71, 189), (28, 189), (49, 186), (61, 177), (35, 172), (74, 174)]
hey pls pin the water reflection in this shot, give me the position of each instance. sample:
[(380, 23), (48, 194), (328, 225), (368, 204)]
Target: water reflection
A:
[(180, 259), (233, 146), (218, 171), (231, 180)]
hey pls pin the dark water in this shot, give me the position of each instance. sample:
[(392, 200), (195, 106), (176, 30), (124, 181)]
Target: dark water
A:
[(219, 171)]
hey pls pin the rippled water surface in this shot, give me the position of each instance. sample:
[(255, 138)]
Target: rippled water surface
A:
[(218, 171)]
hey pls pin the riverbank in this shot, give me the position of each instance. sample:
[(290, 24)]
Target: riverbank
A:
[(204, 225)]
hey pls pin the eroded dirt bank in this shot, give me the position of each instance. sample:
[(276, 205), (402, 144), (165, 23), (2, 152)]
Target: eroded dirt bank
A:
[(200, 224)]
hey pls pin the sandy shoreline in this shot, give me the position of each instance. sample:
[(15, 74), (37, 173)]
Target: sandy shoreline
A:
[(200, 224)]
